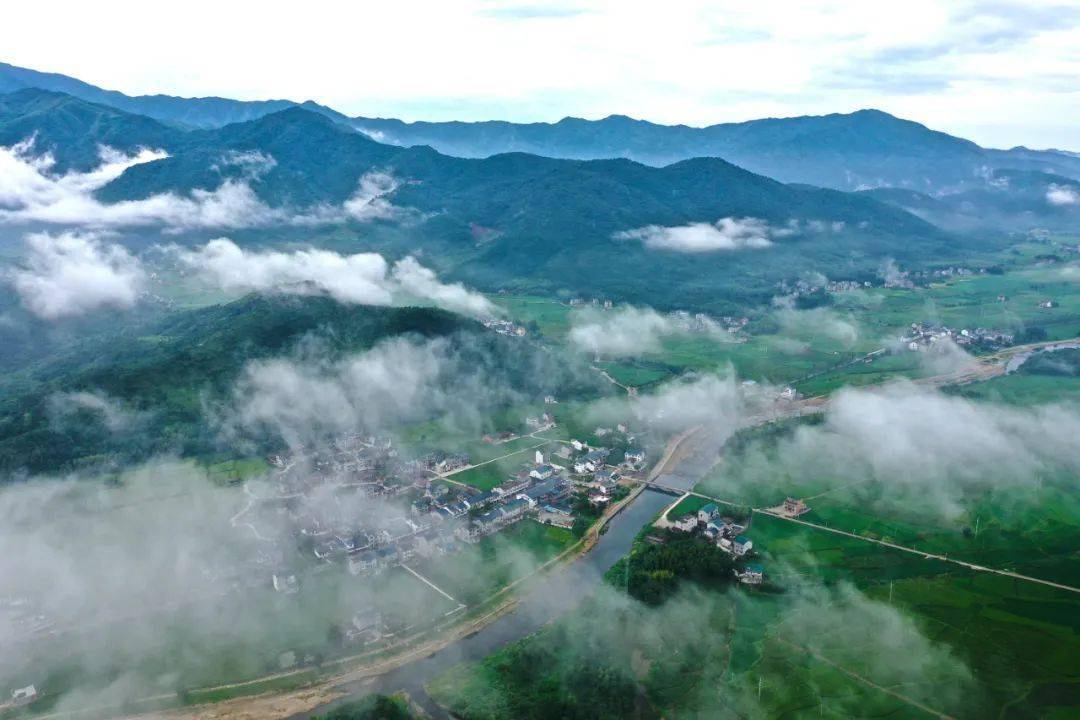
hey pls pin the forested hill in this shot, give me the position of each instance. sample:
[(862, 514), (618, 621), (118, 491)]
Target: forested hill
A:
[(73, 130), (169, 373)]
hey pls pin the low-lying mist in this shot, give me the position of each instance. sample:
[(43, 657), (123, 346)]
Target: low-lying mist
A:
[(907, 445)]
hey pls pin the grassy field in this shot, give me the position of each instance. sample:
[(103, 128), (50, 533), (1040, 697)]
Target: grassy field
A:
[(858, 631), (237, 470), (1019, 639), (1032, 528), (495, 472)]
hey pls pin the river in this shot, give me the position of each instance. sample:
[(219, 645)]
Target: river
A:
[(1017, 360)]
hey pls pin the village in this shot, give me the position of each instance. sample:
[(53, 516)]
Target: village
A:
[(365, 508), (902, 279), (923, 336)]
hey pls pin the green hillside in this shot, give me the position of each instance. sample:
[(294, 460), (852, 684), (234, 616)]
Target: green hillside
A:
[(177, 364), (72, 130)]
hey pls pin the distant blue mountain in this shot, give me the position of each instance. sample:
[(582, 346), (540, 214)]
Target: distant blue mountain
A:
[(858, 150), (853, 151), (1016, 200), (205, 112)]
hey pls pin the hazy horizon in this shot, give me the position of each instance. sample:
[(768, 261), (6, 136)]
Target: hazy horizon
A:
[(999, 73)]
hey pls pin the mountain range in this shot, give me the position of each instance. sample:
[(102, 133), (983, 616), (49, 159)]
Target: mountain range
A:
[(514, 220), (615, 227), (854, 151)]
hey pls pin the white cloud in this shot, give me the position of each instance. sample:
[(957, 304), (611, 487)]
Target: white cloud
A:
[(915, 442), (812, 322), (421, 282), (113, 414), (1062, 195), (254, 163), (300, 401), (359, 278), (624, 332), (370, 200), (629, 331), (715, 400), (892, 649), (29, 192), (724, 234), (308, 397), (710, 399), (362, 278), (945, 357), (71, 274), (26, 181)]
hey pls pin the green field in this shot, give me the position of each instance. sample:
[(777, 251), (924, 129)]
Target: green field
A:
[(857, 631), (1020, 639), (477, 571), (804, 347), (237, 470), (494, 472)]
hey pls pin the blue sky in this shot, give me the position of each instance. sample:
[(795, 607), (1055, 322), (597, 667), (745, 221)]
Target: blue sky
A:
[(1002, 73)]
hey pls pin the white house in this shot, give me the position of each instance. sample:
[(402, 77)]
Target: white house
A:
[(741, 546), (24, 695), (751, 575), (543, 472)]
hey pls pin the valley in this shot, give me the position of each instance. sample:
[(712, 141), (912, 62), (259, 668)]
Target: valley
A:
[(380, 409)]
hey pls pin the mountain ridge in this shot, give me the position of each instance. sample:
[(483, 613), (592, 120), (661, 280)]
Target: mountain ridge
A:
[(848, 151), (513, 220)]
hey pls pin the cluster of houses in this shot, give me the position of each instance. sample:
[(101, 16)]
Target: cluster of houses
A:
[(897, 279), (702, 323), (357, 504), (726, 535), (803, 287), (923, 336), (544, 421), (953, 272), (595, 302), (432, 517), (793, 507), (440, 462), (504, 327)]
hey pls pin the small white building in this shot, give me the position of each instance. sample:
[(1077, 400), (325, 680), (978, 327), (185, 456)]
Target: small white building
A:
[(751, 575), (741, 546), (24, 695)]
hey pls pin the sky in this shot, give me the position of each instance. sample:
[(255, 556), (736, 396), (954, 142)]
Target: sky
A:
[(999, 72)]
